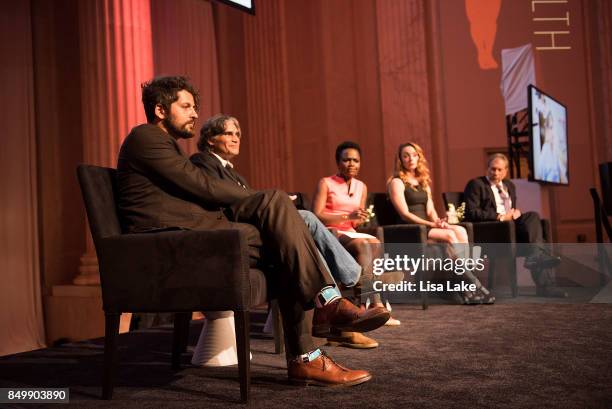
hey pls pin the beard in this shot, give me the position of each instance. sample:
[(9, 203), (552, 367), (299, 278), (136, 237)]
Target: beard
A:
[(179, 132)]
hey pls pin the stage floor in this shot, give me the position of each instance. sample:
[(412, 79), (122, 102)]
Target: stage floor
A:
[(510, 355)]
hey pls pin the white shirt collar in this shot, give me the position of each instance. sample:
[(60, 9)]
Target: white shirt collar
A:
[(493, 184), (223, 161)]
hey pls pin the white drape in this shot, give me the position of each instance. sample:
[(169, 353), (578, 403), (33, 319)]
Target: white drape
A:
[(517, 73)]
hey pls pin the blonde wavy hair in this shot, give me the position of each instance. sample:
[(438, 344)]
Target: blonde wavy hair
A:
[(421, 172)]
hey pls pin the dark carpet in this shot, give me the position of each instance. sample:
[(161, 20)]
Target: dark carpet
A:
[(502, 356)]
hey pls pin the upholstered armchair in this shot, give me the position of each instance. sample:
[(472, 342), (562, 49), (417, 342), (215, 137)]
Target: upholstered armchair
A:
[(502, 235), (167, 271), (393, 233)]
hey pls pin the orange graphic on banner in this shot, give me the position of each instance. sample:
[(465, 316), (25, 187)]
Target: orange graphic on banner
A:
[(482, 15)]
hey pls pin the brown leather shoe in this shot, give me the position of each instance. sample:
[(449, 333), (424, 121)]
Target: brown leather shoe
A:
[(323, 371), (342, 315), (351, 340)]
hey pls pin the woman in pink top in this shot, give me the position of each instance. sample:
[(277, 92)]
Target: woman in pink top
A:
[(345, 202), (340, 204)]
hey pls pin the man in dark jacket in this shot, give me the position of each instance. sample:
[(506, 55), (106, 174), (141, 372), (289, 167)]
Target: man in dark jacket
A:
[(493, 197), (219, 144), (159, 188)]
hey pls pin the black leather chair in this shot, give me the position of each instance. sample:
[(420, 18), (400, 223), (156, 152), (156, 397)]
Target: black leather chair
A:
[(167, 271), (393, 233), (503, 234)]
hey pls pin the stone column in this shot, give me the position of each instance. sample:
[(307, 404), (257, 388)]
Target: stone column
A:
[(116, 56)]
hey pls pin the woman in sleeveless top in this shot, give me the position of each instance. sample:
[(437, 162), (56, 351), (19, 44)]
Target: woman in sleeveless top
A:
[(340, 202), (410, 193)]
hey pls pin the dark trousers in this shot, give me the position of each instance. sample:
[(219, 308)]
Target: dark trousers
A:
[(288, 245), (529, 231)]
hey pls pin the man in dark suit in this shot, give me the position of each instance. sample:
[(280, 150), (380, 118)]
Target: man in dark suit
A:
[(159, 188), (219, 143), (493, 197)]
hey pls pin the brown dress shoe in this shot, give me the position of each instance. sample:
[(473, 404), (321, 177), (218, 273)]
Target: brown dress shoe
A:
[(351, 340), (342, 315), (323, 371)]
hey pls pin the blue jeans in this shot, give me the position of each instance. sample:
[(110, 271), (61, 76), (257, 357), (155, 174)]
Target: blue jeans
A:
[(342, 265)]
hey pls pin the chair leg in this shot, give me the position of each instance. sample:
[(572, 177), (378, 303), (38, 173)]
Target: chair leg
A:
[(111, 331), (279, 337), (241, 320), (181, 326), (424, 295), (185, 334), (604, 264), (513, 278), (491, 275)]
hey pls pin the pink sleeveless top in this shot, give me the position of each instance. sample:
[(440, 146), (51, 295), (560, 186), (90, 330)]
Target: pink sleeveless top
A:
[(341, 201)]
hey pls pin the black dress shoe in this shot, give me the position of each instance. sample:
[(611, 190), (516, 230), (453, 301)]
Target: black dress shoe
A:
[(541, 262)]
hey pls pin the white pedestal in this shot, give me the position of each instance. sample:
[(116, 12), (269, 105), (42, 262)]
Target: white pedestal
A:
[(217, 343)]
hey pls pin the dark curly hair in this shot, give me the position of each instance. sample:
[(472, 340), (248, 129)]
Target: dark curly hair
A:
[(346, 145), (163, 91)]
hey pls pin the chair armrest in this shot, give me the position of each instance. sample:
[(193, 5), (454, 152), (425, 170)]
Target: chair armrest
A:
[(469, 228), (395, 237), (191, 270), (497, 238), (405, 233), (494, 232), (375, 231)]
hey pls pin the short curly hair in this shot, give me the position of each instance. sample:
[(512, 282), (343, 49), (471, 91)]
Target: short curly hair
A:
[(164, 91), (346, 145)]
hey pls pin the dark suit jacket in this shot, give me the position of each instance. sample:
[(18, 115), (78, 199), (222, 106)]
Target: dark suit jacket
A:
[(480, 202), (160, 188), (212, 167)]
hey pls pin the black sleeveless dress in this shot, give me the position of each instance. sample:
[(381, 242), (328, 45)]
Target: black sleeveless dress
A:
[(416, 199)]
